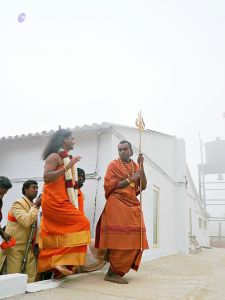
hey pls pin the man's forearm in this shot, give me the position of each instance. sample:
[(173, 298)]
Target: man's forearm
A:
[(122, 184), (54, 175), (1, 231), (143, 181), (3, 234)]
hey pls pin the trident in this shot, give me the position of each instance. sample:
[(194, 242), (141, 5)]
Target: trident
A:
[(141, 126)]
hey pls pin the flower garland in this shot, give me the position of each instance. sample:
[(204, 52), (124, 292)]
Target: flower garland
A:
[(70, 178), (8, 244), (128, 172)]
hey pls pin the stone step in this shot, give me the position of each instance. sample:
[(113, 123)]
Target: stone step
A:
[(50, 283), (12, 285)]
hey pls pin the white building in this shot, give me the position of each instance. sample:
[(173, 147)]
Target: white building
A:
[(171, 206)]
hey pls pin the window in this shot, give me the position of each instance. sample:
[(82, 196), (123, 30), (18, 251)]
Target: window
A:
[(200, 222), (155, 216), (205, 225)]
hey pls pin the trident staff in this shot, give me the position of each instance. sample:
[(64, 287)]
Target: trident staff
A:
[(141, 126)]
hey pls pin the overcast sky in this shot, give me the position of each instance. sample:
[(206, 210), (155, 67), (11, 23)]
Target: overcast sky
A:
[(82, 62)]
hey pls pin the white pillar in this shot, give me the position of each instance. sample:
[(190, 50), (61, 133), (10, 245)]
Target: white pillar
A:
[(181, 229)]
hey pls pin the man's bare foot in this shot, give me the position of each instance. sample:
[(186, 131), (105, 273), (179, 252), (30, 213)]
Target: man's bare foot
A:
[(113, 277), (64, 270)]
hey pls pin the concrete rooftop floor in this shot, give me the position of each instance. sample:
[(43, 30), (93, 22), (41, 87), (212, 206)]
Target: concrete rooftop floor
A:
[(199, 276)]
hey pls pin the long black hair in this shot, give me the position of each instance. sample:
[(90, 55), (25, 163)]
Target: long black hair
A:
[(55, 142)]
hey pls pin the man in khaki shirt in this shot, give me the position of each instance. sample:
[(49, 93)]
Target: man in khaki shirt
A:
[(22, 214)]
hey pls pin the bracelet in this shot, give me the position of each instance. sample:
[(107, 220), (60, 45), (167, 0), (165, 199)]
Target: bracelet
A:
[(34, 205), (128, 180)]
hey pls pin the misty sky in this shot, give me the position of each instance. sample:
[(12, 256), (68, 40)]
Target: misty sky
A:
[(82, 62)]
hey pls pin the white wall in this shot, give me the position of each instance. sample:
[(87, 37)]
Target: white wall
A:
[(105, 156), (20, 160), (197, 211), (217, 228), (164, 167), (181, 202)]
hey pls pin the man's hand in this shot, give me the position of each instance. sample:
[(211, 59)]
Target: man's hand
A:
[(140, 160), (38, 201), (135, 177), (4, 235), (142, 173), (73, 161)]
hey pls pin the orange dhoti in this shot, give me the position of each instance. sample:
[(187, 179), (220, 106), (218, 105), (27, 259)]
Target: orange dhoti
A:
[(64, 230), (119, 227)]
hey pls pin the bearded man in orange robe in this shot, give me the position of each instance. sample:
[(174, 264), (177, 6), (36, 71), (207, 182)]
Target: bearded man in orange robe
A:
[(121, 228), (64, 230)]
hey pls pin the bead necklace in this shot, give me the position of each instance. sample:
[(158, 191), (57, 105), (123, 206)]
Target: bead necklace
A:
[(132, 184)]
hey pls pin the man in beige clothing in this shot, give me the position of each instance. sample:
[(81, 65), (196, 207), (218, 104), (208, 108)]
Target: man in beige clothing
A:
[(22, 214)]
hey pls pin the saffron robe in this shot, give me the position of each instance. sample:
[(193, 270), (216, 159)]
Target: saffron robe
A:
[(81, 201), (64, 229), (119, 227)]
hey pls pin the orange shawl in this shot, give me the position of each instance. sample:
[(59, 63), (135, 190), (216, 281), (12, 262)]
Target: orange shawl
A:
[(119, 226)]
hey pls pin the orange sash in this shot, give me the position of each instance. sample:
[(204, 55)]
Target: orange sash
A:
[(11, 218)]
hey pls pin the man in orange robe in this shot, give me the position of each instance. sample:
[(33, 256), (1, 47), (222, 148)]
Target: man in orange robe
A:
[(65, 231), (121, 228)]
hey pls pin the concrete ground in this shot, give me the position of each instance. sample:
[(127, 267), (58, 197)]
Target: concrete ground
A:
[(199, 276)]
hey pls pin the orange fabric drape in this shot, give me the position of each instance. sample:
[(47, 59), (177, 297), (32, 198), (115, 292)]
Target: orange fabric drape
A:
[(80, 201), (121, 261), (119, 226), (64, 231), (11, 218)]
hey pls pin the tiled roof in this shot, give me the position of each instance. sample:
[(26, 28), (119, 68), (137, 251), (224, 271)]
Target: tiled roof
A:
[(85, 127)]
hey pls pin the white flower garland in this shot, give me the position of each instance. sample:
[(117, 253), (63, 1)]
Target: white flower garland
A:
[(71, 174)]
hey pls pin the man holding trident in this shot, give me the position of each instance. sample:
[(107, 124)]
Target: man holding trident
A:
[(121, 228)]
